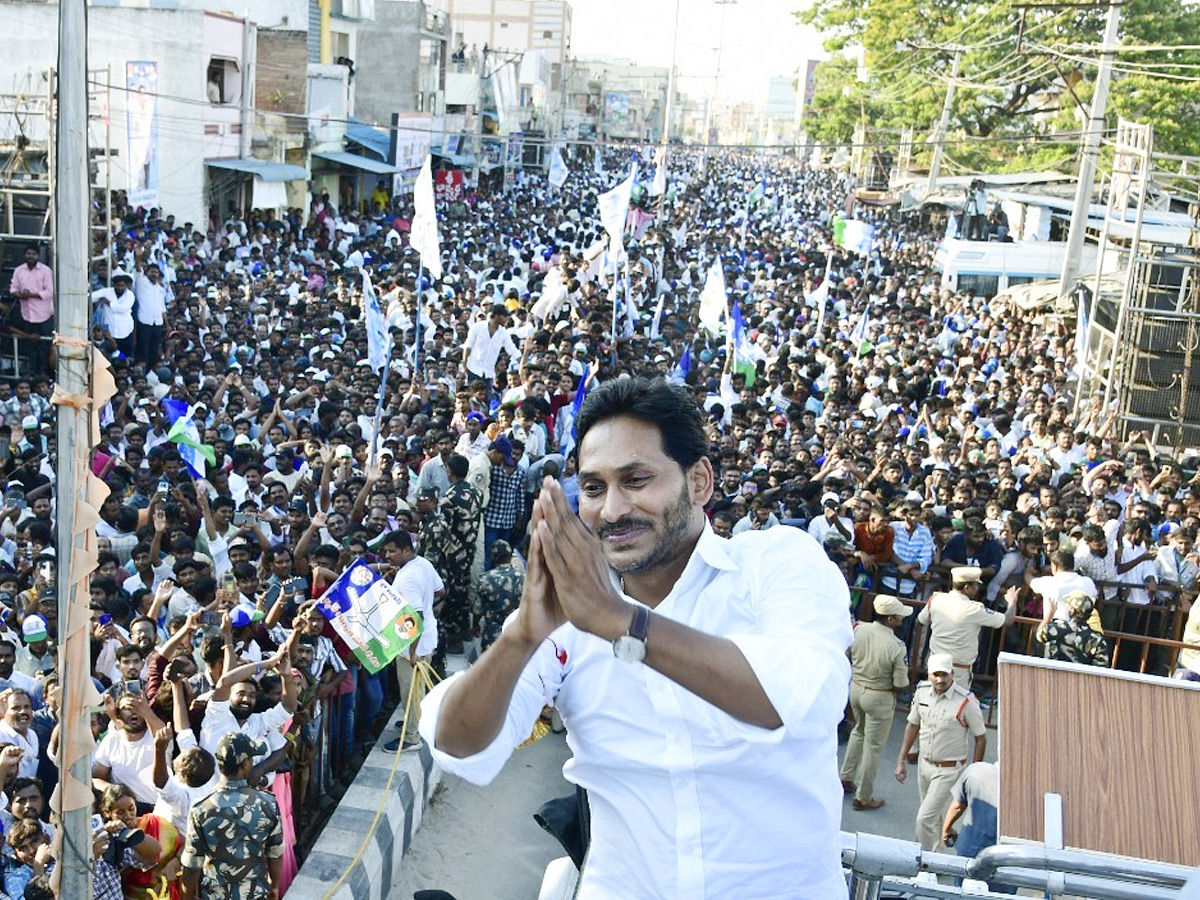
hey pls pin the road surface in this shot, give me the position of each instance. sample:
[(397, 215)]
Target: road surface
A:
[(482, 843)]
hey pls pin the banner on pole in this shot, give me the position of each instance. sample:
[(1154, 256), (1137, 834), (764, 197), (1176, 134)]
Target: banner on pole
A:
[(370, 616)]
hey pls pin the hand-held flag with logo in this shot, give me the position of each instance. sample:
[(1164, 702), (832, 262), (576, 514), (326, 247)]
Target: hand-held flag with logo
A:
[(370, 615)]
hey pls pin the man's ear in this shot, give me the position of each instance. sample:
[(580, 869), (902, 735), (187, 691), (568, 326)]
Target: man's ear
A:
[(701, 481)]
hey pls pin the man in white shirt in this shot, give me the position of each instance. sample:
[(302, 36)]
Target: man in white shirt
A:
[(484, 342), (418, 582), (700, 680), (829, 520), (115, 310), (231, 707), (18, 714), (126, 755), (151, 314)]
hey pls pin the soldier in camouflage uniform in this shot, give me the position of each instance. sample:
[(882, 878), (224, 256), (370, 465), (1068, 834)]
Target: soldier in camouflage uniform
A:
[(462, 508), (432, 533), (234, 844), (1073, 640), (499, 593)]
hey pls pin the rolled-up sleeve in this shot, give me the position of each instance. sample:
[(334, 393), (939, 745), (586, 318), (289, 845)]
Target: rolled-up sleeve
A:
[(535, 689), (798, 648)]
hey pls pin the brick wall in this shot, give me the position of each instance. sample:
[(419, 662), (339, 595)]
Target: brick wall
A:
[(281, 74)]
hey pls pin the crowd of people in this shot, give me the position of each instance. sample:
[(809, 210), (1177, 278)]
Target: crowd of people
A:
[(939, 434)]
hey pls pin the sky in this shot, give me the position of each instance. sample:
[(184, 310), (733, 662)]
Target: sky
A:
[(760, 39)]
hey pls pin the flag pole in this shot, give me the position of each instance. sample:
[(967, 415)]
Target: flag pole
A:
[(379, 402)]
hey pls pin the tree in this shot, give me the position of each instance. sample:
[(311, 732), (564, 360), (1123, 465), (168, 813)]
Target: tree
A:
[(1019, 66)]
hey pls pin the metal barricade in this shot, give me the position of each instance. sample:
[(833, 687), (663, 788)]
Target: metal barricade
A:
[(876, 864)]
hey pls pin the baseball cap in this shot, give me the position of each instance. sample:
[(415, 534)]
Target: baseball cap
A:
[(503, 446), (427, 493), (830, 499), (30, 423), (33, 629)]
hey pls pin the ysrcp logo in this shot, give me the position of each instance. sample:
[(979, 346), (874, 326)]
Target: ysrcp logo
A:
[(361, 576)]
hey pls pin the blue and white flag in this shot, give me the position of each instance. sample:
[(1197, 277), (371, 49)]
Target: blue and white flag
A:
[(378, 336), (370, 616), (568, 443), (858, 334), (679, 376), (558, 169), (186, 436)]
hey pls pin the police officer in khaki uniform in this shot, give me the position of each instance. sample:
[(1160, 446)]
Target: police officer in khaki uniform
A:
[(955, 618), (877, 672), (947, 716)]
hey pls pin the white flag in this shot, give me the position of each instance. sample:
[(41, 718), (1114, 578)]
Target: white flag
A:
[(377, 330), (713, 303), (558, 169), (424, 234), (614, 207), (598, 159), (658, 187)]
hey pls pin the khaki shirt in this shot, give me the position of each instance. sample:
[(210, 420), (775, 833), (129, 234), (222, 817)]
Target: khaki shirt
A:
[(954, 621), (877, 658), (946, 722)]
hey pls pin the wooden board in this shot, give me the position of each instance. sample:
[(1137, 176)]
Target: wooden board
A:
[(1119, 747)]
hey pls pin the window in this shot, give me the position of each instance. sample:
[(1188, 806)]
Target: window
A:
[(548, 35), (983, 285), (503, 24), (224, 82)]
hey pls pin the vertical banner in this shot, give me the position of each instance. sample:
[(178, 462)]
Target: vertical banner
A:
[(141, 119)]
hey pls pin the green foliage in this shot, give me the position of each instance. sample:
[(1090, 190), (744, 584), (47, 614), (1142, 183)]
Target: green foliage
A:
[(1012, 107)]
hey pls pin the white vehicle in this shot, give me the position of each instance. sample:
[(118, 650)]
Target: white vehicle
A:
[(988, 267)]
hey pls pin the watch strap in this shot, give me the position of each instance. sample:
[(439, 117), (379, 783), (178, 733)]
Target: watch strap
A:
[(640, 623)]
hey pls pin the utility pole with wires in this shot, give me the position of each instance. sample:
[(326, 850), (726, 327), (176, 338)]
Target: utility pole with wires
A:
[(939, 136), (710, 107), (1090, 152)]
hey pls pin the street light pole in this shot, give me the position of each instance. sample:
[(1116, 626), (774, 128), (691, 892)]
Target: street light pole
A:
[(708, 111)]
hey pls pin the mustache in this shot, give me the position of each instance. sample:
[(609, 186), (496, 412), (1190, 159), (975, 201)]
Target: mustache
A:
[(621, 524)]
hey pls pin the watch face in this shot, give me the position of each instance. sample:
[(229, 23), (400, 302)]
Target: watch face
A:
[(629, 649)]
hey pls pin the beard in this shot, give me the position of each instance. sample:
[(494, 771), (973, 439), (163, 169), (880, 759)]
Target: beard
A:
[(676, 524)]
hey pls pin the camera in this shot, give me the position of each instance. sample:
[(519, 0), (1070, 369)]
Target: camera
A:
[(121, 841)]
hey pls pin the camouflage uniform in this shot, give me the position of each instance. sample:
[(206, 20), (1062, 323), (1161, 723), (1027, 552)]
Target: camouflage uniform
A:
[(432, 540), (461, 508), (1073, 640), (499, 591), (233, 832)]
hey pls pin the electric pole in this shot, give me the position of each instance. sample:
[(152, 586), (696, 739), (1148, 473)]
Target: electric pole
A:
[(939, 137), (72, 252), (1090, 152)]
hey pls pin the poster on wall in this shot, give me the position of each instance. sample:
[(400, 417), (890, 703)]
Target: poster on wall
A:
[(141, 119), (448, 185)]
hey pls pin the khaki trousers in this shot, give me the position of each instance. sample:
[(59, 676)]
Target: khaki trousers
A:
[(873, 715)]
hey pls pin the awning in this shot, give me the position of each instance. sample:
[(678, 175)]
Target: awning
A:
[(368, 137), (353, 161), (260, 168), (462, 160)]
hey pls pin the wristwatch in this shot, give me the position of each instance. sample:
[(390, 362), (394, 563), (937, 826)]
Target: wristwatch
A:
[(631, 647)]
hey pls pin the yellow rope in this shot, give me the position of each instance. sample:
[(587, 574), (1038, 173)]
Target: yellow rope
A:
[(422, 673)]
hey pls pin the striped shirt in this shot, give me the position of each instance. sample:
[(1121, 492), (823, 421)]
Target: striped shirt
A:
[(916, 547)]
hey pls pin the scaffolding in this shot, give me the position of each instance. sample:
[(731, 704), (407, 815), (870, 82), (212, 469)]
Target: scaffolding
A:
[(1141, 328), (26, 188), (100, 154)]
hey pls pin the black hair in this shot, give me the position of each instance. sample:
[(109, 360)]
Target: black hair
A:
[(458, 465), (400, 538), (669, 407)]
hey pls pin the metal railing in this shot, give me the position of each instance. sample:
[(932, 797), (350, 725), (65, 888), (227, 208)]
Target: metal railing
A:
[(877, 864)]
